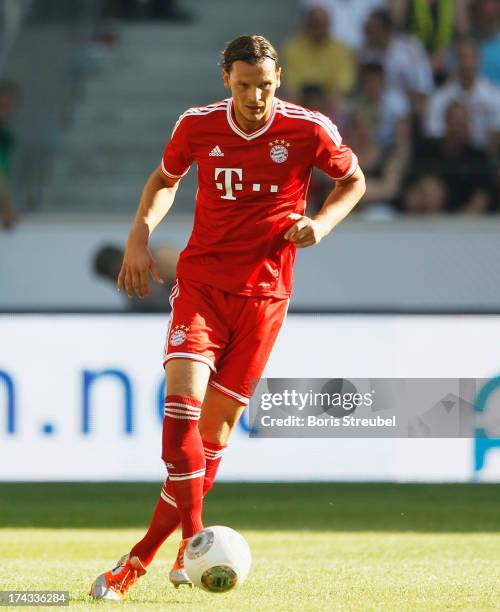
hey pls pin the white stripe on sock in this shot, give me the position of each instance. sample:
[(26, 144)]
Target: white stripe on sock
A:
[(167, 498), (179, 405), (177, 411), (180, 416), (198, 474)]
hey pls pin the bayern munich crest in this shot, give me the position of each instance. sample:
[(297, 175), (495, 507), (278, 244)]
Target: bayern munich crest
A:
[(178, 335), (279, 150)]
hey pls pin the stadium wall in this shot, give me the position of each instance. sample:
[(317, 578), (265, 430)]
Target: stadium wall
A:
[(406, 265), (81, 397)]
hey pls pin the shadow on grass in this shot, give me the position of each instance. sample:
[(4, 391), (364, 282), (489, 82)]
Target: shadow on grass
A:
[(263, 506)]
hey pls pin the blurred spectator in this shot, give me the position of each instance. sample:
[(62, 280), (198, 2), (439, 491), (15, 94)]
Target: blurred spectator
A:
[(387, 108), (379, 132), (405, 61), (450, 174), (435, 23), (384, 169), (486, 22), (347, 18), (316, 98), (8, 100), (315, 58), (479, 96), (426, 195), (108, 262), (152, 9)]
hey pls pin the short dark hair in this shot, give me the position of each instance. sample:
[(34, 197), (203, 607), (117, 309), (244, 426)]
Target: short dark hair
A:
[(250, 48), (108, 261), (384, 18), (371, 67)]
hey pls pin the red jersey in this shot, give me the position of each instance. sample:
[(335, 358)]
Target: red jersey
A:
[(248, 184)]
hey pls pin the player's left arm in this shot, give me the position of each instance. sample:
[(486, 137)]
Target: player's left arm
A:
[(307, 231)]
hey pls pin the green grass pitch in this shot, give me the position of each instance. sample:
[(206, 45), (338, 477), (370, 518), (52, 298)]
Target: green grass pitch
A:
[(317, 547)]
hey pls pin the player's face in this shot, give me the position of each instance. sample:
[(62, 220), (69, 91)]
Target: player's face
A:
[(252, 87)]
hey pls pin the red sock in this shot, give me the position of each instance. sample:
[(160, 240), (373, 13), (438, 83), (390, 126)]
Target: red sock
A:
[(166, 517), (213, 457), (185, 460), (164, 522)]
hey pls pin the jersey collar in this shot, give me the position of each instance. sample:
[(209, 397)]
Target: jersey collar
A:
[(234, 126)]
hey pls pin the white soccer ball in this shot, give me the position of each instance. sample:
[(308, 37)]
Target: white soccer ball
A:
[(217, 559)]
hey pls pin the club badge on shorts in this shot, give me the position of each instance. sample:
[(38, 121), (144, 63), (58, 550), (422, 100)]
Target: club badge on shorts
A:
[(279, 150), (178, 335)]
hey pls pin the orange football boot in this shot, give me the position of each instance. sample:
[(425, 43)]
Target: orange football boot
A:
[(115, 584), (177, 575)]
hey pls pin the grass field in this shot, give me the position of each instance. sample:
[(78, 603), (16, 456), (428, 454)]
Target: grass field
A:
[(315, 547)]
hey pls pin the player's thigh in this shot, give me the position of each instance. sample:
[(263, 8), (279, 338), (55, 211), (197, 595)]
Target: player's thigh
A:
[(246, 356), (219, 416), (196, 336), (187, 377)]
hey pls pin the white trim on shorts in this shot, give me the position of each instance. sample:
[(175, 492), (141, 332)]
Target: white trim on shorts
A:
[(192, 357), (174, 294), (241, 398)]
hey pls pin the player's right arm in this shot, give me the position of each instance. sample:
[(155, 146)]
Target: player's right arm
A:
[(156, 200), (138, 262)]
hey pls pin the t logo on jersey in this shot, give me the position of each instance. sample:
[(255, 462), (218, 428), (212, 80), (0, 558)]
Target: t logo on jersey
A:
[(228, 185)]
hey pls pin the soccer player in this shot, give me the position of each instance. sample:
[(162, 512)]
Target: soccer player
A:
[(255, 154)]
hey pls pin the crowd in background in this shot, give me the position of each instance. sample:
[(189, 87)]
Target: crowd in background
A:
[(414, 88)]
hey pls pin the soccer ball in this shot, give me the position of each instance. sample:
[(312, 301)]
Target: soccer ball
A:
[(217, 559)]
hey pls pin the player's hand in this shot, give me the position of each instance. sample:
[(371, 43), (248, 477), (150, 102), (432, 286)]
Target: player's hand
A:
[(305, 231), (138, 264)]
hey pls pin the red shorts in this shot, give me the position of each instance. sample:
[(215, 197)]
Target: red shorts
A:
[(232, 334)]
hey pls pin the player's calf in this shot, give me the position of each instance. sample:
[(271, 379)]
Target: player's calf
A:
[(185, 460)]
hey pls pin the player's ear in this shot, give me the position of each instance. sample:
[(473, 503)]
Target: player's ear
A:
[(225, 78), (278, 77)]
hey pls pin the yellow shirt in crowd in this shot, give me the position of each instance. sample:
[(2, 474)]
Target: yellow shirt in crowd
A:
[(329, 64)]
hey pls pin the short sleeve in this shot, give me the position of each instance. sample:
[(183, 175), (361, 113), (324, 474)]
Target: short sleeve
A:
[(332, 156), (434, 118), (398, 105), (177, 157), (419, 70)]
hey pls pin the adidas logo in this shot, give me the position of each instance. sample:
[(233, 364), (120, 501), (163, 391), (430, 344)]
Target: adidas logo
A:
[(216, 152)]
